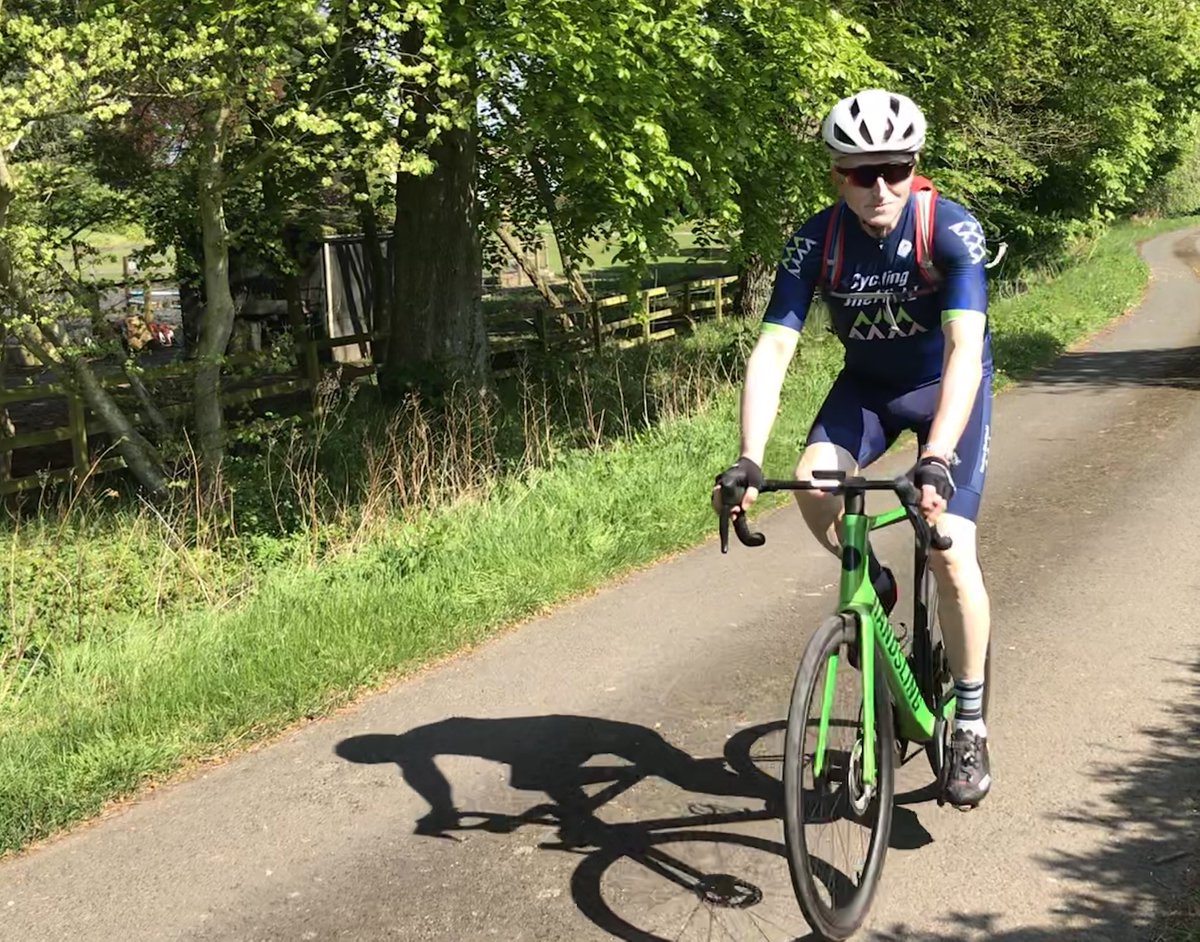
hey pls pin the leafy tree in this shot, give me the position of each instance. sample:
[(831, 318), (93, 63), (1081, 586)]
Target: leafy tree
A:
[(59, 70)]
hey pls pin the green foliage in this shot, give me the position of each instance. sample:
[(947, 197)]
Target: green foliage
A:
[(644, 114), (1045, 116), (1176, 192)]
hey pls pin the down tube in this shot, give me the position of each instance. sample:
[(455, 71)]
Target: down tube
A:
[(916, 720)]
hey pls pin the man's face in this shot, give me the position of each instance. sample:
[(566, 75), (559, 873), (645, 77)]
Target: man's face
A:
[(875, 186)]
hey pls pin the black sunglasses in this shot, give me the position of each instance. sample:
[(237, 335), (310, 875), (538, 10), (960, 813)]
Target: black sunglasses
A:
[(866, 175)]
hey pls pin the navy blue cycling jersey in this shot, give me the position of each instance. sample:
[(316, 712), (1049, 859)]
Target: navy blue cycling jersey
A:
[(887, 317)]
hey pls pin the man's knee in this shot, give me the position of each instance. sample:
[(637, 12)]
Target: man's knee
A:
[(820, 509), (960, 563), (822, 456)]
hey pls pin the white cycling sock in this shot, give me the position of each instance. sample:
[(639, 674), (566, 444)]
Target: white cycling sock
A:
[(968, 710)]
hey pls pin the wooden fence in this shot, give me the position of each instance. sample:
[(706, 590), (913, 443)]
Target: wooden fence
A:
[(80, 426), (620, 321)]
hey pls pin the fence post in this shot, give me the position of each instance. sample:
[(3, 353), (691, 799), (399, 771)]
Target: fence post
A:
[(717, 300), (595, 318), (125, 275), (312, 368), (645, 316), (687, 300), (78, 427)]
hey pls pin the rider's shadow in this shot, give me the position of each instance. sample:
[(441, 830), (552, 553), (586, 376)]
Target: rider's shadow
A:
[(546, 754)]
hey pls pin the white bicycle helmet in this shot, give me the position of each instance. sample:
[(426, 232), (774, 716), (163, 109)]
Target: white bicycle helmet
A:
[(875, 122)]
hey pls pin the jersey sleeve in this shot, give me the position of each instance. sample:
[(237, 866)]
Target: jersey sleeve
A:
[(960, 251), (797, 276)]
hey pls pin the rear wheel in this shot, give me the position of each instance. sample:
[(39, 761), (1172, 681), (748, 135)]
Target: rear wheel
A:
[(837, 826)]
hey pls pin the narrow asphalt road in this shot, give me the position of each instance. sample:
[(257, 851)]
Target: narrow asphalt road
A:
[(680, 674)]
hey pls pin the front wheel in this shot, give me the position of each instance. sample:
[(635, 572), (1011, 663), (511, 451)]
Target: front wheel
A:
[(837, 825)]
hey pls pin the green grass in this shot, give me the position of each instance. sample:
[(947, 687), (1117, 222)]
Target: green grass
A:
[(102, 261), (603, 274), (111, 711)]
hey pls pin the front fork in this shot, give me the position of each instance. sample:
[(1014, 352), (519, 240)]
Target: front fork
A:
[(858, 595)]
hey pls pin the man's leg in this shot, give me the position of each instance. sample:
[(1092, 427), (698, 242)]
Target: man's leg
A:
[(964, 609), (847, 434), (822, 511)]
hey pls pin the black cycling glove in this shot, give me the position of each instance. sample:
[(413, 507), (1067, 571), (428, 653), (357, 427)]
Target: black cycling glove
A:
[(742, 475), (936, 473)]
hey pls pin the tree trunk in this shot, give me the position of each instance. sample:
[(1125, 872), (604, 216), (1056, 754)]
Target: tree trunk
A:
[(217, 324), (158, 421), (756, 277), (50, 345), (7, 193), (437, 331), (529, 266), (550, 208), (107, 333), (7, 429)]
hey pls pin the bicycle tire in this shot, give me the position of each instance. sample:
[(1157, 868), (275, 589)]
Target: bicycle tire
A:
[(837, 920)]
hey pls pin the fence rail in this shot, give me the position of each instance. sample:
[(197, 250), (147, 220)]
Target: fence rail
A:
[(619, 320)]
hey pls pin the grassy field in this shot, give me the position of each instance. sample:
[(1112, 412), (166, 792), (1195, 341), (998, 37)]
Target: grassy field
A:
[(102, 259), (604, 275), (142, 674)]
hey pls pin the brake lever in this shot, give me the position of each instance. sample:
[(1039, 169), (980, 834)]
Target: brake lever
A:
[(731, 496), (910, 497)]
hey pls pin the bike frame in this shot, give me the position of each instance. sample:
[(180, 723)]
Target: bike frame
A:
[(914, 695), (857, 598)]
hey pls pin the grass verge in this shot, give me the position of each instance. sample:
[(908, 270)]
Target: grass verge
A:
[(151, 694)]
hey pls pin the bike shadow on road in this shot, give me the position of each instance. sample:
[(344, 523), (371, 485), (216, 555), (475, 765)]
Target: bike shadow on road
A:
[(1142, 883), (548, 754), (555, 755)]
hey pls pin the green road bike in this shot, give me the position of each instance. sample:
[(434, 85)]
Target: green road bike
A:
[(844, 735)]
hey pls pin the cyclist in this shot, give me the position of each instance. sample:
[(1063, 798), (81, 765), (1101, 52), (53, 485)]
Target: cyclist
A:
[(917, 357)]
